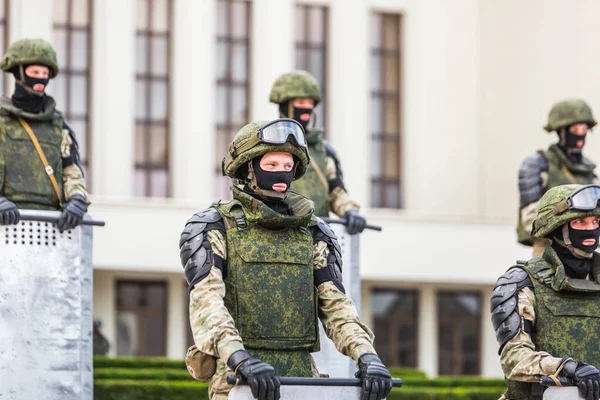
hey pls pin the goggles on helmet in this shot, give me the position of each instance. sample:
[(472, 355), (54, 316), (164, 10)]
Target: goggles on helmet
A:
[(279, 130), (584, 199)]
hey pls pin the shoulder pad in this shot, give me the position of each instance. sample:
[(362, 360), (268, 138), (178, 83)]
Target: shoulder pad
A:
[(197, 224), (530, 180), (325, 228), (210, 215), (326, 234), (504, 304), (330, 150)]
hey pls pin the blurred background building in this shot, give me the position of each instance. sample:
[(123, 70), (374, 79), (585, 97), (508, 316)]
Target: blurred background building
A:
[(431, 104)]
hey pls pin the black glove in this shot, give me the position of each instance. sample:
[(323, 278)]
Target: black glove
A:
[(260, 376), (9, 214), (376, 379), (72, 213), (585, 376), (354, 222)]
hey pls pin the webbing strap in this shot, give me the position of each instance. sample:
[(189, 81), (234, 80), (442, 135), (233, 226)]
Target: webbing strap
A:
[(47, 167)]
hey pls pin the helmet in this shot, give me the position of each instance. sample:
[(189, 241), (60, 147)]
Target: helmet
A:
[(247, 145), (30, 51), (556, 208), (294, 85), (568, 112)]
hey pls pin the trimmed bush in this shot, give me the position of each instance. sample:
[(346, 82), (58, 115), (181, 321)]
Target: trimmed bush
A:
[(137, 362), (149, 390)]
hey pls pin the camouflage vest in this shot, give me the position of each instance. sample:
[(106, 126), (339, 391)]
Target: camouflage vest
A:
[(311, 185), (23, 179), (561, 171), (270, 290), (567, 317)]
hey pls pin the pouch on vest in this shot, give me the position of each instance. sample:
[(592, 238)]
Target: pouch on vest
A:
[(200, 365)]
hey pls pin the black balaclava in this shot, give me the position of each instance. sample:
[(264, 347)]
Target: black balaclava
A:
[(24, 97), (568, 143), (287, 110), (260, 185), (576, 257)]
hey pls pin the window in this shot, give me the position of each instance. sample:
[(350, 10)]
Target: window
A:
[(385, 111), (153, 24), (141, 318), (72, 41), (395, 326), (233, 69), (3, 37), (459, 333), (311, 48)]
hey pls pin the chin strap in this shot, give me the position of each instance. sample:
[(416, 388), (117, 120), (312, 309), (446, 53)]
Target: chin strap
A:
[(567, 244)]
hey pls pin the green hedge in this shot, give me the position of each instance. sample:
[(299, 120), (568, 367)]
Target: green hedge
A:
[(175, 390), (138, 362)]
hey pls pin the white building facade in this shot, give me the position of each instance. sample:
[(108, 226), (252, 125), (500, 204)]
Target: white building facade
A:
[(431, 104)]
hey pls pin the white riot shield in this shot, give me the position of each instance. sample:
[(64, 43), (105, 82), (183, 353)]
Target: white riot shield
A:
[(302, 393), (562, 393), (329, 360), (45, 310)]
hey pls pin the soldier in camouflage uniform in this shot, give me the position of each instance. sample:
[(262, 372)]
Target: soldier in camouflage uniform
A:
[(262, 271), (546, 311), (27, 181), (563, 163), (297, 93)]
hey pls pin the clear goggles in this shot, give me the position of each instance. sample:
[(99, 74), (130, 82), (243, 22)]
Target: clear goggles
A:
[(279, 130), (584, 199)]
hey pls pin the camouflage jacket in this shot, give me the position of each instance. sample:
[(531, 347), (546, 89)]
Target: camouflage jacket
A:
[(23, 178), (214, 329), (323, 182), (527, 356)]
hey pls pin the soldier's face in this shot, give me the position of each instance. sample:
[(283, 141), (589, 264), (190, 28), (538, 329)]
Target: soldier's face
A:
[(587, 224), (38, 72), (277, 162), (579, 129), (306, 103)]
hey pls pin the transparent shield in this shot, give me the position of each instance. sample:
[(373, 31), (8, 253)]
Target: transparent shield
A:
[(562, 393), (302, 393)]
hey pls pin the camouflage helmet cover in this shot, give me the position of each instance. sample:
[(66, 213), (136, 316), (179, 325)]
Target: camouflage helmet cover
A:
[(293, 85), (30, 51), (253, 147), (549, 216), (568, 112)]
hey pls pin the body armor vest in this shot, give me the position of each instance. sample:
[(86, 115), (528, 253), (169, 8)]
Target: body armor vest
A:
[(567, 321), (23, 178), (561, 171), (311, 185), (270, 290)]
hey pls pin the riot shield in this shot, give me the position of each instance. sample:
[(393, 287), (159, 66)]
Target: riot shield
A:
[(302, 393), (45, 310), (562, 393), (329, 360)]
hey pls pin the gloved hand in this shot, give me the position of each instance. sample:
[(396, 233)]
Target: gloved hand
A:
[(9, 214), (72, 213), (355, 223), (260, 376), (585, 376), (376, 379)]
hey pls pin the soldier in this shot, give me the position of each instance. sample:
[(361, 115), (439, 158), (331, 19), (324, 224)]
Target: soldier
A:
[(297, 93), (39, 160), (563, 163), (262, 270), (101, 345), (546, 311)]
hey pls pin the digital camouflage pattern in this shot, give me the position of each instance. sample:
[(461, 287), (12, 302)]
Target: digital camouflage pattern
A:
[(30, 51), (23, 178), (566, 318), (215, 330), (561, 171), (246, 145), (318, 188), (547, 217), (569, 112), (294, 85)]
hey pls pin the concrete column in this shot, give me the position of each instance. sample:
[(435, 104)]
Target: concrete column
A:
[(348, 88), (192, 101), (272, 42), (428, 326), (176, 318), (490, 363), (105, 306), (112, 108), (30, 19)]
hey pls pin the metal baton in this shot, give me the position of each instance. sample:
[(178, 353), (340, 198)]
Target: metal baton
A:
[(53, 217), (564, 381), (287, 381), (343, 222)]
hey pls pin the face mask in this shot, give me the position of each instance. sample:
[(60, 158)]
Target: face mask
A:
[(266, 179), (284, 109), (569, 141), (577, 237), (25, 97)]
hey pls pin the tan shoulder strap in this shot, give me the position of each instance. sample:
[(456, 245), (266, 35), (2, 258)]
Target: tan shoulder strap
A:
[(40, 152), (321, 175)]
